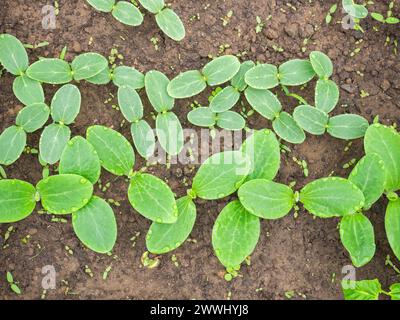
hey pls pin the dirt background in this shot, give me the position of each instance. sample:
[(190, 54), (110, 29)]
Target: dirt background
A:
[(300, 255)]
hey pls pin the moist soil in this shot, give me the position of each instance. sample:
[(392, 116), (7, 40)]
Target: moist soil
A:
[(299, 254)]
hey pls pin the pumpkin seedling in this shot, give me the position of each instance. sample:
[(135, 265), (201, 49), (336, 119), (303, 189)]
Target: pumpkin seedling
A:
[(368, 290)]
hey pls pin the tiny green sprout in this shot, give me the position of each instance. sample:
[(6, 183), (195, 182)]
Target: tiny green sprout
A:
[(13, 285), (106, 272), (149, 262)]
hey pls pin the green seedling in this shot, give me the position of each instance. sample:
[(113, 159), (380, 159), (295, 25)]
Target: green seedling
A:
[(13, 285), (205, 117), (193, 82), (123, 11), (368, 290)]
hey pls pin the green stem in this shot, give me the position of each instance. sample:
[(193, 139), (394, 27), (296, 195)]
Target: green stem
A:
[(294, 95), (3, 174)]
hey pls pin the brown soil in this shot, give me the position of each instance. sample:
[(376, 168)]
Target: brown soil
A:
[(299, 254)]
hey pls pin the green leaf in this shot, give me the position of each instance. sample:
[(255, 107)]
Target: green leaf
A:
[(322, 64), (33, 117), (263, 150), (221, 69), (10, 278), (310, 119), (262, 76), (143, 138), (154, 6), (50, 70), (238, 81), (170, 23), (52, 142), (152, 198), (114, 150), (66, 104), (12, 144), (186, 85), (13, 55), (163, 238), (369, 175), (202, 117), (296, 72), (64, 193), (392, 226), (230, 120), (17, 200), (288, 129), (266, 199), (126, 13), (225, 99), (395, 291), (264, 102), (332, 197), (221, 175), (130, 104), (326, 95), (156, 84), (28, 91), (102, 78), (95, 225), (102, 5), (392, 20), (79, 157), (361, 290), (378, 17), (385, 142), (357, 235), (128, 76), (169, 133), (235, 234), (15, 288), (347, 126), (88, 65), (357, 11)]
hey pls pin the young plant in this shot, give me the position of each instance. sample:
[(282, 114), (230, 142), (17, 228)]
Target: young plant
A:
[(205, 117), (193, 82), (368, 290), (167, 20)]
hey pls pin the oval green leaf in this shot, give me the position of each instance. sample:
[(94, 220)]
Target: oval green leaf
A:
[(347, 126), (288, 129), (296, 72), (361, 290), (392, 226), (230, 120), (326, 95), (126, 13), (154, 6), (66, 104), (52, 142), (12, 144), (50, 70), (13, 55), (143, 138), (88, 65), (186, 85), (225, 99), (102, 5), (102, 78), (33, 117), (357, 11), (128, 76), (311, 119), (221, 69), (264, 102), (130, 103), (156, 84), (202, 117), (322, 64), (238, 81), (27, 90), (169, 133), (170, 23), (262, 76)]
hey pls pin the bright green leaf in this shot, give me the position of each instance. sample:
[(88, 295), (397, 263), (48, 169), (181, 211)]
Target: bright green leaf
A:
[(102, 5), (12, 144), (66, 104), (13, 55), (52, 142), (347, 126), (143, 138), (186, 85), (326, 95), (238, 81), (322, 64), (33, 117), (264, 102), (50, 70), (392, 226), (288, 129), (169, 133), (202, 117), (154, 6), (225, 99), (156, 84), (221, 69), (170, 23), (130, 103), (230, 120), (310, 119), (126, 13), (102, 78), (296, 72), (28, 91), (357, 11), (128, 76), (88, 65), (262, 76)]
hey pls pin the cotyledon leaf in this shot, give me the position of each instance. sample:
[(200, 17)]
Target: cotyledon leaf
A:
[(152, 198), (128, 76), (187, 84), (230, 120), (143, 138), (357, 11), (114, 150), (385, 142), (162, 238), (50, 70), (64, 193), (347, 126), (33, 117), (262, 76), (266, 199), (102, 5), (369, 175), (66, 104), (169, 132), (361, 290), (127, 13), (392, 226), (238, 81), (154, 6), (27, 90), (235, 234), (17, 200), (296, 72), (332, 197), (310, 119), (88, 65), (326, 95), (357, 236), (95, 225), (13, 55), (225, 99), (221, 69), (79, 157), (170, 23), (264, 102), (12, 144), (130, 103), (52, 142), (322, 64), (263, 150), (221, 175), (102, 78), (156, 84), (288, 129), (202, 117)]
